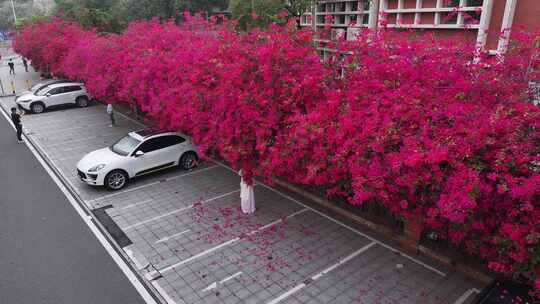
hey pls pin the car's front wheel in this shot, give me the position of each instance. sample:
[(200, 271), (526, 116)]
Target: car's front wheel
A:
[(82, 101), (116, 180), (37, 107), (188, 161)]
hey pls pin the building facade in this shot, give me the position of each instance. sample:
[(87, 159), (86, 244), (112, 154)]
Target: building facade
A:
[(484, 21)]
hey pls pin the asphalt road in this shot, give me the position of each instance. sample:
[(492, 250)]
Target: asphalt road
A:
[(47, 253)]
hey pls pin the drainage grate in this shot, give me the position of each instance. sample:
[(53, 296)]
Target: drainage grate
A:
[(117, 234)]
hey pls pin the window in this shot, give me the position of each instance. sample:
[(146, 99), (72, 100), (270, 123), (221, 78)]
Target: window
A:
[(449, 18), (150, 145), (444, 14), (40, 91), (354, 6), (161, 142), (451, 3), (56, 91), (472, 17), (125, 145), (475, 2), (171, 140), (367, 4), (365, 19), (72, 89)]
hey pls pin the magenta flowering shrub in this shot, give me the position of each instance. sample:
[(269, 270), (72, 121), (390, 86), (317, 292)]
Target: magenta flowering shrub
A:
[(416, 126), (431, 129), (48, 42)]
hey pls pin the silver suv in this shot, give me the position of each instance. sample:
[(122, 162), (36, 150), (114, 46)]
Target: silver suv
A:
[(54, 94)]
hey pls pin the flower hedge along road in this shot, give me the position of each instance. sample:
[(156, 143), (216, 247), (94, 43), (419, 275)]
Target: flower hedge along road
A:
[(413, 124)]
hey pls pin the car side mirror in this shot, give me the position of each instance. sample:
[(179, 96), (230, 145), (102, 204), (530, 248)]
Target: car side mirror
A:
[(139, 153), (48, 95)]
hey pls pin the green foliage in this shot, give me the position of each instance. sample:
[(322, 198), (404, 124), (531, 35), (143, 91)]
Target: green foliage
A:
[(105, 15), (196, 6), (167, 9), (114, 15), (298, 7), (23, 10), (22, 22), (148, 9), (260, 13)]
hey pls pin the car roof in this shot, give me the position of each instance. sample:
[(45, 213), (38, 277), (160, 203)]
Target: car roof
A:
[(149, 132), (64, 84), (51, 81), (48, 82)]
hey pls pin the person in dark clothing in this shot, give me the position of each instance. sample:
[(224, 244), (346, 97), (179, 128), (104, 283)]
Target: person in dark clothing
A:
[(16, 119), (11, 67), (25, 63)]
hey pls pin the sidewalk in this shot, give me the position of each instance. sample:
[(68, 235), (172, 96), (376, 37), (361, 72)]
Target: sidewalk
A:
[(185, 232), (21, 81)]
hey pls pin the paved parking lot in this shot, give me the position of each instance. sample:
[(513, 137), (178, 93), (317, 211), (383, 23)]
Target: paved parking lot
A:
[(189, 235)]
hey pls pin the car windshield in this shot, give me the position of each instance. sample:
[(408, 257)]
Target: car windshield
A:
[(125, 145), (36, 87), (41, 91)]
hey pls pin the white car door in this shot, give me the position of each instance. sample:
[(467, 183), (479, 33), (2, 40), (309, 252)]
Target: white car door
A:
[(70, 94), (159, 153), (174, 146), (54, 97)]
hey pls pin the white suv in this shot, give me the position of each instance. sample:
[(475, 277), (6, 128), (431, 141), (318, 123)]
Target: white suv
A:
[(53, 95), (136, 154)]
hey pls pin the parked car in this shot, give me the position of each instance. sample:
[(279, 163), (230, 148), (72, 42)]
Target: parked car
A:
[(137, 153), (504, 292), (40, 85), (53, 95)]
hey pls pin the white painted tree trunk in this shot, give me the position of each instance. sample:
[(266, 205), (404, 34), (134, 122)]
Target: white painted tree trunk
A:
[(247, 196)]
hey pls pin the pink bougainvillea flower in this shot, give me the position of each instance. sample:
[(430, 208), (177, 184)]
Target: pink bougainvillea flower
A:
[(415, 125)]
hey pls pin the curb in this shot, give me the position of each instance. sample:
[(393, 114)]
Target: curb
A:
[(388, 233), (88, 213)]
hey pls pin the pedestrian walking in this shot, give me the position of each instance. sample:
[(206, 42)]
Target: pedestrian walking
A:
[(16, 119), (11, 67), (110, 111), (25, 63)]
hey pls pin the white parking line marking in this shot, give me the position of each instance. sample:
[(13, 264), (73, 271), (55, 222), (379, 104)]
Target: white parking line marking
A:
[(230, 242), (152, 184), (466, 295), (216, 284), (132, 120), (322, 273), (136, 204), (143, 292), (176, 211), (171, 237), (163, 293), (343, 261), (345, 226)]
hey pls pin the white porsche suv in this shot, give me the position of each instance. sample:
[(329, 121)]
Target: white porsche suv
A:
[(53, 94), (136, 154)]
